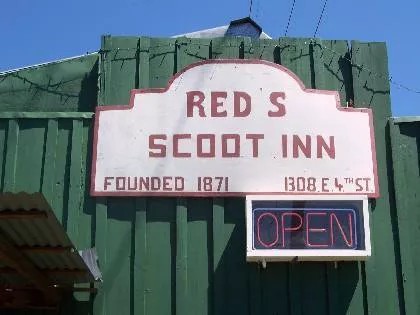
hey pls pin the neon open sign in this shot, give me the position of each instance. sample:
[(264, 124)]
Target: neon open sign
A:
[(307, 228), (302, 228)]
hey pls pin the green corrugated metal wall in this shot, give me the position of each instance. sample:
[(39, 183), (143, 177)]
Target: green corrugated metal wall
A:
[(405, 138), (187, 255)]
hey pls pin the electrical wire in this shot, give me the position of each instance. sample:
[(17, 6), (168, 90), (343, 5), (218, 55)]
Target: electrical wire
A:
[(175, 44), (313, 41), (250, 8), (320, 17), (364, 68), (290, 17)]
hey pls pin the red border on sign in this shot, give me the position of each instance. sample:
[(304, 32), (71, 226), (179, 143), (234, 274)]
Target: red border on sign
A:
[(99, 109)]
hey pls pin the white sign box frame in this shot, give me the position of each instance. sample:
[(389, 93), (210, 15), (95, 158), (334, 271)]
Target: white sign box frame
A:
[(233, 128), (267, 255)]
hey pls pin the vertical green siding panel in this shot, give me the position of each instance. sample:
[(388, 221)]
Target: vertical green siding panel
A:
[(86, 207), (254, 289), (332, 68), (332, 71), (222, 230), (405, 141), (295, 294), (158, 58), (48, 183), (268, 288), (193, 291), (162, 56), (200, 274), (313, 288), (141, 265), (11, 155), (161, 253), (104, 69), (218, 249), (141, 261), (189, 51), (226, 47), (118, 69), (273, 288), (371, 90), (345, 288), (3, 149), (234, 257), (265, 49), (143, 63), (117, 271), (182, 258), (101, 245), (75, 183), (62, 175), (295, 54), (30, 155)]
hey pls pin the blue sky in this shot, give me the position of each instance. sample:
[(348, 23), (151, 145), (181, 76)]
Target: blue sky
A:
[(45, 30)]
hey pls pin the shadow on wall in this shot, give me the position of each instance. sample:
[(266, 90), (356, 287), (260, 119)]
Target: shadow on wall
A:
[(88, 95), (238, 287), (412, 130), (78, 303), (197, 265)]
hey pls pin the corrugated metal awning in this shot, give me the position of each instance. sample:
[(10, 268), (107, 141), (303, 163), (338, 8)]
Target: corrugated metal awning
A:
[(35, 252)]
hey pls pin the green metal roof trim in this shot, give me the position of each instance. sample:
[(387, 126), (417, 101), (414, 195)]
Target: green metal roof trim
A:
[(65, 85), (405, 119)]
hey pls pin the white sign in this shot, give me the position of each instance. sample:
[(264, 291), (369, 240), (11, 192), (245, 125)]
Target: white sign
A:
[(233, 127)]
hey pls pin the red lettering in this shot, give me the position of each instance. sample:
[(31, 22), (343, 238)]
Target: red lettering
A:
[(359, 186), (284, 145), (237, 97), (216, 103), (195, 99), (314, 230), (176, 139), (144, 183), (107, 182), (324, 182), (290, 228), (167, 183), (155, 146), (212, 146), (366, 179), (120, 183), (304, 148), (155, 183), (276, 223), (254, 138), (179, 183), (237, 149), (321, 144), (349, 244), (280, 108), (129, 179)]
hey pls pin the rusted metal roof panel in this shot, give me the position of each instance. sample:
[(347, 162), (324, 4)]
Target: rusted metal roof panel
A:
[(40, 230), (29, 224)]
